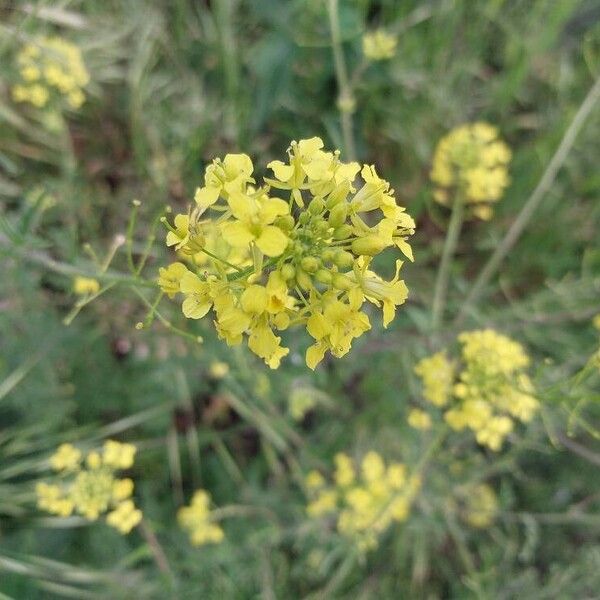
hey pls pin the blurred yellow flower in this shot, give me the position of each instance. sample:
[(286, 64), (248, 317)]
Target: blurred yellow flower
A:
[(471, 162), (365, 500), (481, 506), (51, 68), (90, 487), (379, 45), (419, 419), (199, 521), (83, 286)]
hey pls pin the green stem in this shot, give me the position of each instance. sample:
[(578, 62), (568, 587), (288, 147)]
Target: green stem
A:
[(529, 208), (443, 275), (346, 98)]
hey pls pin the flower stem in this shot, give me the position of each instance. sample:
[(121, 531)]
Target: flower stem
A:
[(345, 99), (443, 275)]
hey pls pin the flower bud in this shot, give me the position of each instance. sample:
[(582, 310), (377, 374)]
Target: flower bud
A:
[(369, 245), (338, 214), (316, 206), (310, 264), (304, 218), (342, 232), (323, 276), (341, 281), (281, 321), (343, 259), (287, 271), (303, 279), (285, 222)]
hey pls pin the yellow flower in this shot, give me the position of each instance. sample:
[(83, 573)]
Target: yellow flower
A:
[(169, 279), (66, 458), (92, 488), (490, 391), (437, 375), (117, 455), (365, 501), (125, 517), (83, 286), (471, 162), (51, 69), (379, 45), (419, 419), (264, 263), (198, 520), (596, 321), (254, 217)]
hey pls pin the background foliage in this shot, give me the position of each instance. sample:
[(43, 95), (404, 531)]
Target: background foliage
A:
[(174, 84)]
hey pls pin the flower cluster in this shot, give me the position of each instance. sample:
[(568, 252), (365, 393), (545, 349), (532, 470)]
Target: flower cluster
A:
[(89, 486), (379, 45), (263, 263), (199, 521), (489, 391), (471, 163), (85, 286), (51, 68), (364, 501)]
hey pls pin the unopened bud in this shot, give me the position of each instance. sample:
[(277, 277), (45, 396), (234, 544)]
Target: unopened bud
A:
[(341, 282), (342, 232), (368, 246), (288, 271), (316, 206), (323, 276), (310, 264), (338, 214), (343, 259)]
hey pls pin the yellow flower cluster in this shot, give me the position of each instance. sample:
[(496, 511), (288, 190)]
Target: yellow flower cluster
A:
[(379, 45), (471, 162), (51, 67), (263, 263), (89, 486), (488, 393), (83, 286), (198, 520), (364, 501), (481, 506)]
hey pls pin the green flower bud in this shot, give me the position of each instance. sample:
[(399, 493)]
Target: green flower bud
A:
[(343, 259), (285, 222), (338, 214), (369, 245), (316, 206), (322, 227), (304, 280), (287, 271), (342, 232), (310, 264), (327, 255), (304, 218), (341, 282), (323, 276)]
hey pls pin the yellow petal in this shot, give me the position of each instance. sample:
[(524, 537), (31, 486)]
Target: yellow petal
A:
[(195, 308), (236, 234), (281, 171), (272, 241)]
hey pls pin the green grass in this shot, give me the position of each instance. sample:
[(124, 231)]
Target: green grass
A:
[(174, 84)]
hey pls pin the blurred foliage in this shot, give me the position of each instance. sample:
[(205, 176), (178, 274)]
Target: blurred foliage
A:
[(174, 84)]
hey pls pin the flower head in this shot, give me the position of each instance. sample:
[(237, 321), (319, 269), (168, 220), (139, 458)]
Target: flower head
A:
[(294, 251), (365, 498), (487, 391), (472, 162), (90, 487), (51, 69), (379, 45)]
